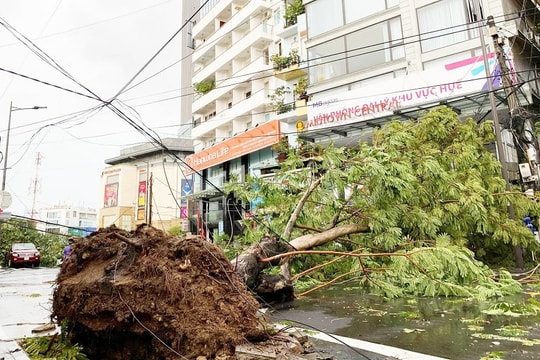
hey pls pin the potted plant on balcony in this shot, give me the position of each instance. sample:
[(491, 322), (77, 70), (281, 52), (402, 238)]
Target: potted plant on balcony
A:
[(282, 148), (204, 87), (292, 10), (277, 100), (280, 62), (294, 58), (300, 89)]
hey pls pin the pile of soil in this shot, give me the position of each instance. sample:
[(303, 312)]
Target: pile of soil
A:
[(146, 294)]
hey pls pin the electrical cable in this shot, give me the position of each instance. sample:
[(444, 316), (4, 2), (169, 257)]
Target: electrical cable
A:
[(49, 223), (131, 122), (158, 52)]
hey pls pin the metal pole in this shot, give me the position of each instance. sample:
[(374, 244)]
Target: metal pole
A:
[(518, 254), (12, 109), (146, 194), (7, 147), (495, 115), (150, 202)]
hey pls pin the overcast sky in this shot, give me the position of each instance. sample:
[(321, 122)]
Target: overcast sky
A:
[(102, 44)]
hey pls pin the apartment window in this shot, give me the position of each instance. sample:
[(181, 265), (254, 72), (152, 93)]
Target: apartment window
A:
[(323, 66), (356, 10), (190, 39), (324, 15), (266, 56), (278, 17), (382, 45), (53, 215), (126, 222), (208, 5), (215, 175), (445, 22)]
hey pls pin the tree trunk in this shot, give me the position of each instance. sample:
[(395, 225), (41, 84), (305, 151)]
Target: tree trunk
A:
[(269, 288), (278, 288)]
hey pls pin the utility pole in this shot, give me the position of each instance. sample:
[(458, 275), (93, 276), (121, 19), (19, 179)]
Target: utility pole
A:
[(35, 182), (11, 110), (496, 123), (498, 44), (149, 205)]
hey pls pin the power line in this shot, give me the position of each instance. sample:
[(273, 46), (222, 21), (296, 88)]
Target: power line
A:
[(158, 52)]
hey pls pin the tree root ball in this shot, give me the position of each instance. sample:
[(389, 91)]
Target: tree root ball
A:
[(146, 294)]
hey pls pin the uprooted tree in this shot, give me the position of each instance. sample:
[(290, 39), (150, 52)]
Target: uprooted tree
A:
[(412, 213)]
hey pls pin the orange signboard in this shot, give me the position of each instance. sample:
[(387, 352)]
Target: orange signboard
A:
[(258, 138)]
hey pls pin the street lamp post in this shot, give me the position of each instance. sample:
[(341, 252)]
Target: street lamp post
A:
[(11, 110)]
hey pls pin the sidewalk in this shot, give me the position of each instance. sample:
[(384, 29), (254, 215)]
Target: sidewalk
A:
[(10, 350), (25, 301), (376, 351)]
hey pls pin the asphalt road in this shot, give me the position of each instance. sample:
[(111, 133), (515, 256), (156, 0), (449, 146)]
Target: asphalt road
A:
[(26, 302), (25, 305)]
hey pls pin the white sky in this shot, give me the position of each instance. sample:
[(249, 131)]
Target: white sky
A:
[(102, 44)]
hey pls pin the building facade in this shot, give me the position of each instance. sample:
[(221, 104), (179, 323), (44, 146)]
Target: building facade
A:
[(369, 63), (366, 63), (67, 220), (146, 184), (246, 67)]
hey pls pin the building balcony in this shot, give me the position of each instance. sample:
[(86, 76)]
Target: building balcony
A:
[(253, 69), (261, 36), (289, 72), (209, 36), (240, 109)]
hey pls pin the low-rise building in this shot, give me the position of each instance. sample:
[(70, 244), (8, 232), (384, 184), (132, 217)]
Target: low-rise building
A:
[(67, 220), (146, 184)]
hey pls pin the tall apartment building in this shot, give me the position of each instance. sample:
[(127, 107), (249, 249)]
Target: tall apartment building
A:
[(367, 62), (235, 122)]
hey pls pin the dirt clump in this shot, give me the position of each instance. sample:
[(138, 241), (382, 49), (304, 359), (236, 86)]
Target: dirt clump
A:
[(145, 294)]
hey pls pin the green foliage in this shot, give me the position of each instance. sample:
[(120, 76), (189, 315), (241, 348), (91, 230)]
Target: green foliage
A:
[(280, 62), (52, 348), (300, 89), (427, 191), (292, 10), (176, 231), (56, 347), (277, 100), (529, 308), (49, 245), (493, 355), (204, 87), (439, 271)]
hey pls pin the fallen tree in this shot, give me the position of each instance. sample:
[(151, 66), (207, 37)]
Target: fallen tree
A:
[(148, 295), (430, 183)]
